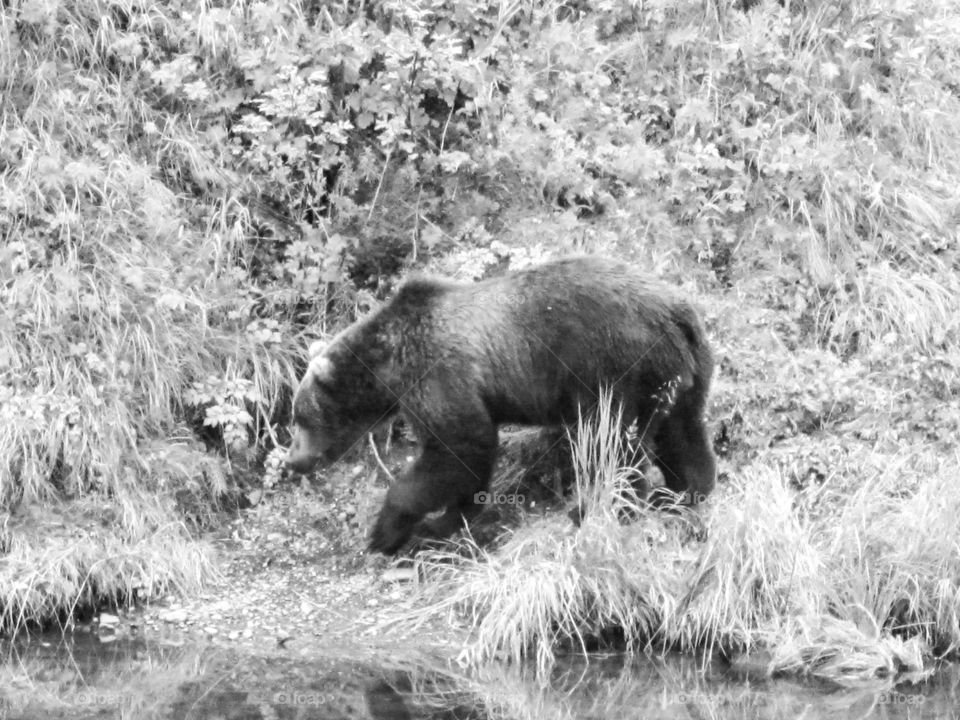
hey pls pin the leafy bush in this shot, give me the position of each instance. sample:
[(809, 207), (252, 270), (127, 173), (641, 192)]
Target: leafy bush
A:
[(189, 192)]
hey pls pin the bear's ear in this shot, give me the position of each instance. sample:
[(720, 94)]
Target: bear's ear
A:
[(321, 368), (316, 347)]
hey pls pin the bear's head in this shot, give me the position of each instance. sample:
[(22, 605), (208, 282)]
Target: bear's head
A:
[(339, 400)]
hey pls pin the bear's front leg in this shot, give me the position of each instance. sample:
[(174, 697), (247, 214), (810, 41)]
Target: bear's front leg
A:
[(448, 474)]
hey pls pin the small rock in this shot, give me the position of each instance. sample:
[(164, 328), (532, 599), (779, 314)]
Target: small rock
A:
[(175, 615), (396, 574), (108, 620)]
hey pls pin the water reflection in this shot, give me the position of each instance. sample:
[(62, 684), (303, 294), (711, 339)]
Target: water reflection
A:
[(85, 678)]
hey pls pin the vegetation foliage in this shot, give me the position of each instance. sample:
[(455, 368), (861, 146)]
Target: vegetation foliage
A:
[(837, 583), (189, 192)]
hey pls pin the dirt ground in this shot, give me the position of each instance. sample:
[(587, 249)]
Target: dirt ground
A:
[(292, 577), (294, 571)]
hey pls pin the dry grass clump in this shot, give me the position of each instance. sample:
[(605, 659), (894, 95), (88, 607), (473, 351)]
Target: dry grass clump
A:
[(75, 556), (868, 586)]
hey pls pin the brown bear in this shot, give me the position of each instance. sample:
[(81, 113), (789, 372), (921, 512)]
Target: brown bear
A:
[(531, 347)]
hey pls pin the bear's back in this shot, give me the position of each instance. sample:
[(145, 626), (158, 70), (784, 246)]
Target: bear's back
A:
[(535, 342)]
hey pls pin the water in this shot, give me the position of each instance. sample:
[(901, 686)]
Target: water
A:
[(83, 677)]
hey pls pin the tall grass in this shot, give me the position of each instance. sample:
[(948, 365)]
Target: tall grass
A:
[(918, 309), (819, 132), (115, 300), (879, 161), (130, 271), (552, 584), (868, 585), (62, 560), (119, 289)]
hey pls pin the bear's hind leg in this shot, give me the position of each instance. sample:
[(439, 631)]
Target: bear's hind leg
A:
[(685, 456)]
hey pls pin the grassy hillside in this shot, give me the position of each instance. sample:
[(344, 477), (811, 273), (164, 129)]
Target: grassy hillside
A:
[(190, 193)]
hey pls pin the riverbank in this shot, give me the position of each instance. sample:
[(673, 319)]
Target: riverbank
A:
[(190, 195), (829, 549)]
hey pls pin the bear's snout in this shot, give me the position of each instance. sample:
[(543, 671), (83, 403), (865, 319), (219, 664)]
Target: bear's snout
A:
[(303, 454)]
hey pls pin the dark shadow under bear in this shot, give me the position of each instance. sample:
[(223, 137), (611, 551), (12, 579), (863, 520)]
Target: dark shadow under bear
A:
[(530, 348)]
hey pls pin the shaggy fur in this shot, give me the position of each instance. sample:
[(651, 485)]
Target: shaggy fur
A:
[(530, 347)]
